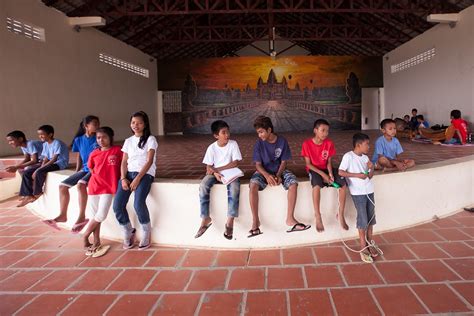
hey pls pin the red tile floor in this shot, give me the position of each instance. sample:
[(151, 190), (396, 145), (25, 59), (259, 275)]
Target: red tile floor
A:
[(425, 269)]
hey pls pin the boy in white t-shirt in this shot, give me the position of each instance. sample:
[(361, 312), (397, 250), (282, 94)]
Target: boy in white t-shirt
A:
[(221, 155), (358, 170)]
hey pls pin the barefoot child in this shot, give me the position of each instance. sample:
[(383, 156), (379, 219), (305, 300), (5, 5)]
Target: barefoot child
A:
[(221, 155), (318, 152), (55, 156), (138, 170), (358, 171), (104, 165), (84, 143), (270, 154), (388, 148)]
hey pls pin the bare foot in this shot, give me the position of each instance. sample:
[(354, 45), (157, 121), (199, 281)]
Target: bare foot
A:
[(319, 225), (60, 219), (342, 221), (25, 201), (256, 225)]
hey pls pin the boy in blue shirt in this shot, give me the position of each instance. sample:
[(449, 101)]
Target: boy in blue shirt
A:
[(388, 148), (31, 150), (270, 154), (55, 156)]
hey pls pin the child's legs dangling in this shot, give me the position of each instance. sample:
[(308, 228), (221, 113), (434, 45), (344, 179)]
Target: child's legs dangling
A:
[(204, 197), (233, 195)]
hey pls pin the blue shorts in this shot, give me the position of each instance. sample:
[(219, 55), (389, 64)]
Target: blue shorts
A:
[(78, 177), (365, 210), (288, 178)]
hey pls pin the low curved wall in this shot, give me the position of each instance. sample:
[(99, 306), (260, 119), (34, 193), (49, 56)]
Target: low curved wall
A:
[(402, 199)]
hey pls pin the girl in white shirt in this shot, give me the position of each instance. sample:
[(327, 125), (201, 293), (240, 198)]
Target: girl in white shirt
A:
[(137, 173)]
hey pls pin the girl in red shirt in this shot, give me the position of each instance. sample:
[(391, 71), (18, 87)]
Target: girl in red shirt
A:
[(104, 164)]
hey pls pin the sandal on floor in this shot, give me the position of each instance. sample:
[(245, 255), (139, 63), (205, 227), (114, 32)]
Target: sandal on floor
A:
[(295, 229), (100, 251), (228, 232), (90, 250), (254, 232), (365, 257), (202, 230), (76, 228)]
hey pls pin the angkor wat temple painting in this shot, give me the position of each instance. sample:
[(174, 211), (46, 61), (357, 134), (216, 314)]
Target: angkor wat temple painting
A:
[(292, 91)]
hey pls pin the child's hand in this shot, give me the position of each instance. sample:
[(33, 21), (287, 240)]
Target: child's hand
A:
[(271, 180), (370, 165), (362, 176), (125, 184), (326, 178), (135, 183), (331, 177), (11, 169), (209, 170), (278, 179), (218, 176)]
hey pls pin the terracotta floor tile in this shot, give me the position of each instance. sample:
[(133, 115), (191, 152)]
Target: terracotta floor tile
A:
[(308, 302), (453, 234), (37, 231), (166, 258), (221, 304), (6, 274), (49, 243), (434, 271), (170, 280), (424, 235), (177, 305), (396, 252), (13, 302), (264, 257), (348, 302), (23, 243), (37, 259), (330, 254), (95, 280), (48, 304), (456, 249), (427, 251), (58, 280), (232, 258), (208, 280), (90, 304), (133, 258), (466, 290), (285, 278), (266, 303), (68, 259), (398, 300), (397, 237), (298, 256), (446, 222), (439, 298), (140, 304), (360, 274), (247, 278), (199, 258), (11, 257), (397, 272), (4, 241), (22, 280), (323, 276), (464, 267), (132, 280), (102, 262)]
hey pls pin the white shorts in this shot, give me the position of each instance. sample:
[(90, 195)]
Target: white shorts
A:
[(100, 205)]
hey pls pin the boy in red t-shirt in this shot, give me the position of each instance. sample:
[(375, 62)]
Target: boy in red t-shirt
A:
[(104, 164), (460, 129), (318, 152)]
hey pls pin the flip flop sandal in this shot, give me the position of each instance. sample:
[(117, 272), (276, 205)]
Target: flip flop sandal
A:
[(365, 257), (228, 232), (100, 251), (51, 223), (202, 230), (254, 232), (379, 251), (471, 209), (90, 250), (76, 228), (294, 228)]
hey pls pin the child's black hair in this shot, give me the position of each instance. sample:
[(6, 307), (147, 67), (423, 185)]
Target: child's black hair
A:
[(420, 117), (108, 131), (406, 116), (263, 122), (17, 135), (82, 126), (414, 110), (456, 114), (48, 129), (146, 130), (385, 122), (216, 126), (359, 138), (320, 122)]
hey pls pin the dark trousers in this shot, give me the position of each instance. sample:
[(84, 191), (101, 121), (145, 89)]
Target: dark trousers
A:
[(34, 187)]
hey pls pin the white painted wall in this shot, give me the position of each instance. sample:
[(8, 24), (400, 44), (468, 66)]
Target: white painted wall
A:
[(174, 207), (61, 80), (439, 85)]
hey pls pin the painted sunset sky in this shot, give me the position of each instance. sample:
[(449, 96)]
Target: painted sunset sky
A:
[(236, 72)]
